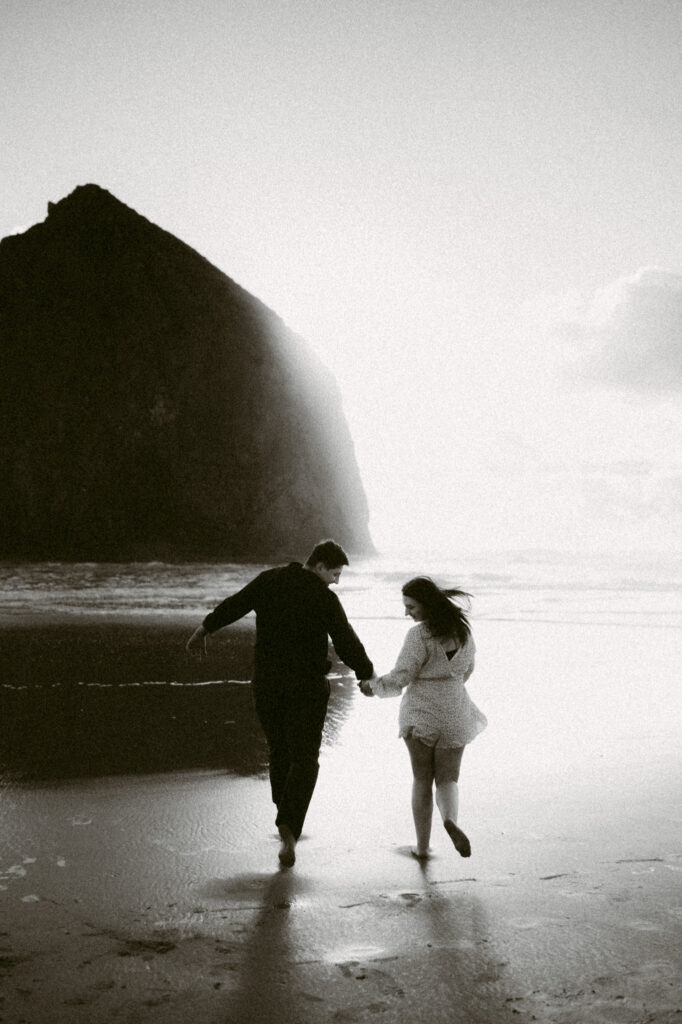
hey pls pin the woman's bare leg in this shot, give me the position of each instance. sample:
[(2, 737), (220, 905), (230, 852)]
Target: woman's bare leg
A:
[(447, 761), (421, 757)]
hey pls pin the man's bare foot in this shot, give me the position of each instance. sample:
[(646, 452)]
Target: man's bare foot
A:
[(287, 851), (462, 844)]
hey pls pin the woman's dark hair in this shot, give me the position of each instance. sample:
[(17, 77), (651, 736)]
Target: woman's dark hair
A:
[(442, 616)]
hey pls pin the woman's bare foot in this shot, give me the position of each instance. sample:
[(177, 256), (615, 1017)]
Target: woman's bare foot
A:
[(287, 851), (462, 844), (425, 855)]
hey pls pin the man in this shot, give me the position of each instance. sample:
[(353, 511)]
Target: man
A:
[(296, 614)]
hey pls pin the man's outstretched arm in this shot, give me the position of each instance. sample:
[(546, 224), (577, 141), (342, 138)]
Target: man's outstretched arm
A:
[(230, 610)]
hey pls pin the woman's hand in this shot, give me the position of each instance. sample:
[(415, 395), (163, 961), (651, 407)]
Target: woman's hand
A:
[(366, 687)]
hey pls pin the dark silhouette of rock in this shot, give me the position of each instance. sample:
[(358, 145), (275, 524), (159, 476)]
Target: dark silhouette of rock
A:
[(150, 408)]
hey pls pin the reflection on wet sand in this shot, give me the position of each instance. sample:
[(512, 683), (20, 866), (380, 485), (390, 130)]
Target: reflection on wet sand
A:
[(110, 698), (402, 954), (265, 988), (75, 731)]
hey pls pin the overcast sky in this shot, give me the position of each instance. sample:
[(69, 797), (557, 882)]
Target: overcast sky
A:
[(472, 210)]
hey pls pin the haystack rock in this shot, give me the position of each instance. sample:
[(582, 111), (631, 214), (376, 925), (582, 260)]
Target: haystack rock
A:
[(150, 408)]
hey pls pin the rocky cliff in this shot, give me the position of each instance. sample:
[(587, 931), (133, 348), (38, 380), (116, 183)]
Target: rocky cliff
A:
[(150, 408)]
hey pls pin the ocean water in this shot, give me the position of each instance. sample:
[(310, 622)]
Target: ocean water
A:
[(636, 590), (577, 665)]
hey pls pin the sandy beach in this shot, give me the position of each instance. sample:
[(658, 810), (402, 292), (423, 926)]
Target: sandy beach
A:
[(144, 884)]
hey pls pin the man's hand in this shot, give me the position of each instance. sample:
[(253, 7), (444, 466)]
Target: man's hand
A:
[(196, 645), (366, 686)]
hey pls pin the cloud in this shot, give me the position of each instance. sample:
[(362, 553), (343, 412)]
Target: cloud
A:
[(629, 335)]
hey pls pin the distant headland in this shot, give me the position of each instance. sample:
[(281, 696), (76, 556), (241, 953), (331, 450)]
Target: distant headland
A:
[(152, 409)]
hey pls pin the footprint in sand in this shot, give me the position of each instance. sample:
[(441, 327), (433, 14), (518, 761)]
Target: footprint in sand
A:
[(382, 981)]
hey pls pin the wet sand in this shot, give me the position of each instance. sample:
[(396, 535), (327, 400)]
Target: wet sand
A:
[(155, 894), (100, 696)]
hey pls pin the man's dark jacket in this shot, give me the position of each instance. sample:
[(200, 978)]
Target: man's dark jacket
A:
[(296, 614)]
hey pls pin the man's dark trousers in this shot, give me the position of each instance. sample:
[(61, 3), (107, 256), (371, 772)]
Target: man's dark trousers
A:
[(292, 713)]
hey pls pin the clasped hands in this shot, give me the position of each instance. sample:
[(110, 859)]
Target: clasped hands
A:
[(366, 687)]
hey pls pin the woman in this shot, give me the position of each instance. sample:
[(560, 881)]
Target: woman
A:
[(437, 717)]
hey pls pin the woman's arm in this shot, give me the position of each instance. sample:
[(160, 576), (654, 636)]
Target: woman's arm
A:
[(412, 656), (472, 659)]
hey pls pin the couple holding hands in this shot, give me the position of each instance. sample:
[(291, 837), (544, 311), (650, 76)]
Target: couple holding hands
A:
[(296, 616)]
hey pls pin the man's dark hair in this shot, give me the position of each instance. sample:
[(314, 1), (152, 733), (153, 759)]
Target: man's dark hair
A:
[(329, 553)]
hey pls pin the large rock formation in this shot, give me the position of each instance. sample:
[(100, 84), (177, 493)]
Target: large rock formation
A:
[(150, 408)]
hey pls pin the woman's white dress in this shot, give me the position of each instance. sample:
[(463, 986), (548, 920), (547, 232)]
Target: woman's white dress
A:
[(436, 707)]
